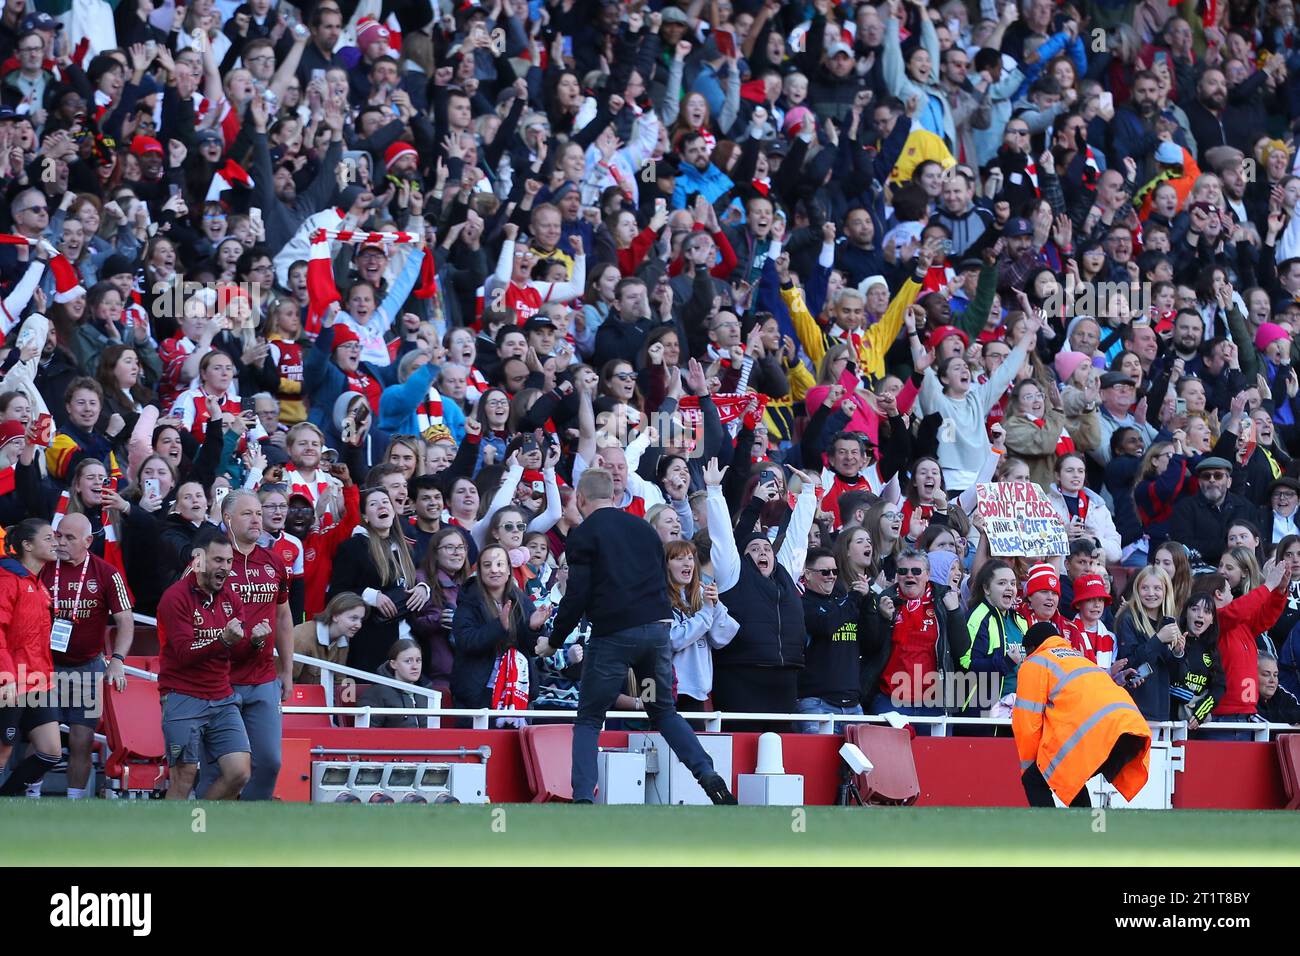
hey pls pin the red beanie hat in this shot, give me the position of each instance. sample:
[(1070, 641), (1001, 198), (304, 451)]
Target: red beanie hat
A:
[(343, 334), (368, 31), (1042, 577), (396, 152)]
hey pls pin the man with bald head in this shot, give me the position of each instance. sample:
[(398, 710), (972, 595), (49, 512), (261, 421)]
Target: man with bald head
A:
[(87, 592), (265, 679)]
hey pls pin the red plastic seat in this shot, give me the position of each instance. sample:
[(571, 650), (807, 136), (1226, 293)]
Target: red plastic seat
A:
[(133, 726), (306, 695), (1288, 757), (892, 780), (549, 750)]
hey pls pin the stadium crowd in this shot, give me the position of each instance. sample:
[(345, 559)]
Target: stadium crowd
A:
[(314, 316)]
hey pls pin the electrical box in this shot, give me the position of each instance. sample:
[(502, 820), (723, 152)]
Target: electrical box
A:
[(770, 790), (668, 781), (620, 777)]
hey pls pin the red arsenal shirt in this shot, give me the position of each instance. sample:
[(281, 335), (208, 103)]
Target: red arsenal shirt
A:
[(193, 659), (88, 595), (262, 584)]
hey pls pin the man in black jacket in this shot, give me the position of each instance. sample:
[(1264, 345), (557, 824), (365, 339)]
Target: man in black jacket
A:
[(617, 579), (1201, 522), (829, 682)]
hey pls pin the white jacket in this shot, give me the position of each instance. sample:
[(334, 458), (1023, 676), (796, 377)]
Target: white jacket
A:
[(1099, 523)]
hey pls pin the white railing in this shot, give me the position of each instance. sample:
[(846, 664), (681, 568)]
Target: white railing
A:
[(327, 672), (1162, 731)]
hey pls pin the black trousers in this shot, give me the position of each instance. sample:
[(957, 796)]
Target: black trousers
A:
[(1039, 793)]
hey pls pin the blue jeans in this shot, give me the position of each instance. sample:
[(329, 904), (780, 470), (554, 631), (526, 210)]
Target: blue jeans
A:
[(645, 649), (818, 705), (881, 704)]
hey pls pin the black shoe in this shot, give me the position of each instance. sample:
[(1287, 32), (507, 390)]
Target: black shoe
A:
[(717, 790)]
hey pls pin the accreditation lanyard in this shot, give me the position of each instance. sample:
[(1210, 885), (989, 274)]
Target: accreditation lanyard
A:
[(81, 586)]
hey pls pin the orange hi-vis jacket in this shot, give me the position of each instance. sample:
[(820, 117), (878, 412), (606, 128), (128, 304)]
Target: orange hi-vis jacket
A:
[(1068, 715)]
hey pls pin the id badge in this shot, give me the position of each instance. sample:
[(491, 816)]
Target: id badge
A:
[(60, 635)]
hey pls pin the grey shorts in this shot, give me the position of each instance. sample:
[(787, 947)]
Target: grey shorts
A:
[(197, 730), (82, 689)]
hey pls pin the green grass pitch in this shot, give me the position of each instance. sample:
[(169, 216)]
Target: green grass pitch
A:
[(58, 832)]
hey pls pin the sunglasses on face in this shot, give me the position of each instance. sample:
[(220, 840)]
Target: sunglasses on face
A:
[(624, 376), (511, 526), (826, 572), (910, 572)]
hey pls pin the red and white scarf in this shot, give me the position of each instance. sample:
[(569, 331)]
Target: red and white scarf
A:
[(1089, 160), (429, 417), (510, 681), (1064, 444)]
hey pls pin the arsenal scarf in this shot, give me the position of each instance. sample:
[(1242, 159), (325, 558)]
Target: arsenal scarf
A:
[(321, 291), (510, 681), (429, 417)]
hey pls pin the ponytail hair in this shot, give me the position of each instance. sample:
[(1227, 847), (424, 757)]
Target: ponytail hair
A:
[(24, 531)]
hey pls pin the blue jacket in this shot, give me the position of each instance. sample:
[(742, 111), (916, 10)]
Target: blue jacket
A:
[(323, 381), (398, 404), (713, 183)]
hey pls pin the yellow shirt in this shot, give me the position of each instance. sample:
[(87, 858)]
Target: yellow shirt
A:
[(921, 145)]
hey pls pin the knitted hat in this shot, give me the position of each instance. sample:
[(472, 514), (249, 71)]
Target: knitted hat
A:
[(1088, 587), (1268, 333), (397, 151), (343, 334), (945, 331), (1042, 577), (368, 31), (67, 286), (11, 432), (1068, 362), (794, 119)]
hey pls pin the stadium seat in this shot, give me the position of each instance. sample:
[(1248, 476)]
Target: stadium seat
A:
[(133, 725), (306, 695), (893, 780), (1288, 757), (548, 761)]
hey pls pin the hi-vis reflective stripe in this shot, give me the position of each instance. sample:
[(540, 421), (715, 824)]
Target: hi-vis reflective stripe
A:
[(1044, 661), (1025, 765), (1030, 705), (1051, 698), (1079, 734)]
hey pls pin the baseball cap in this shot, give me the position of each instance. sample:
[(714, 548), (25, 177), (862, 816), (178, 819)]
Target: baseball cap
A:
[(837, 48), (143, 145), (538, 322), (210, 136), (1018, 227), (40, 21)]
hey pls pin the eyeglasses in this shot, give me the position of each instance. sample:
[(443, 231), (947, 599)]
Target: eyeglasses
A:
[(275, 507), (1213, 476), (44, 209), (826, 572), (512, 526), (452, 548), (910, 572), (31, 49)]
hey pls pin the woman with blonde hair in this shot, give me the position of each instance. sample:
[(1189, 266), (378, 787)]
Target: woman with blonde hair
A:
[(700, 625), (1239, 567), (1149, 639)]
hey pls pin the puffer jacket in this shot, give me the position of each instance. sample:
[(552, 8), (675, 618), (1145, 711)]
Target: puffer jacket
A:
[(948, 647), (25, 620)]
